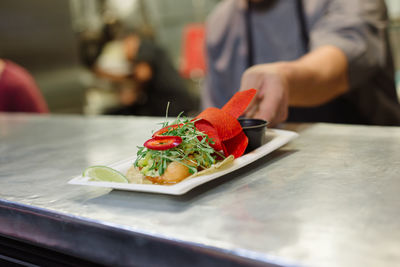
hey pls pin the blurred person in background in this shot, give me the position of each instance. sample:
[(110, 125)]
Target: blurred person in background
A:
[(155, 82), (311, 60), (145, 76), (18, 90)]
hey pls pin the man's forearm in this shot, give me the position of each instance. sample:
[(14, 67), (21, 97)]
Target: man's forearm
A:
[(317, 77)]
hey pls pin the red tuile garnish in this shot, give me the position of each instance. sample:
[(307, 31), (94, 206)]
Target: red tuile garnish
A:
[(226, 125), (237, 145), (222, 125), (206, 127), (239, 102)]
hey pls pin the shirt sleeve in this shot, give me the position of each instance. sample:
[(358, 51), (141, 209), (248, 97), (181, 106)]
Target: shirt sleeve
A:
[(358, 28)]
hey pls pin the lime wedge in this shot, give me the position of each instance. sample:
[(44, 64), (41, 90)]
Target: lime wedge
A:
[(104, 174)]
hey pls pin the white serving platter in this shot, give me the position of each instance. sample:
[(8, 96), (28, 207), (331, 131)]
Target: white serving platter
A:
[(274, 140)]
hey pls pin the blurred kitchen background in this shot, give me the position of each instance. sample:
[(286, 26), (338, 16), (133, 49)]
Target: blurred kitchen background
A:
[(67, 45)]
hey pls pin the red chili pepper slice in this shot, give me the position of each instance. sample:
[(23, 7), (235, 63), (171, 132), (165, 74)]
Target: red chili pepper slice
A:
[(163, 142), (166, 129)]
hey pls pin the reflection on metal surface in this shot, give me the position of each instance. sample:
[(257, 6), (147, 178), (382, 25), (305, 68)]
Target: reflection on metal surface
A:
[(330, 198)]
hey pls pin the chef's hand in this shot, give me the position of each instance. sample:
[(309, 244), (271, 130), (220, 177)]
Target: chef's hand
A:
[(272, 100)]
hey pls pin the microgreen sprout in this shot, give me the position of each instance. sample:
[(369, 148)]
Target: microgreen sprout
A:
[(194, 152)]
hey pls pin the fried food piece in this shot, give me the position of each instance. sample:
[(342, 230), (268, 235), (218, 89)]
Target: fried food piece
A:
[(175, 173)]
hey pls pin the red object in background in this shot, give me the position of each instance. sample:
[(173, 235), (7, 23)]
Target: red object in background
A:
[(18, 91), (193, 57)]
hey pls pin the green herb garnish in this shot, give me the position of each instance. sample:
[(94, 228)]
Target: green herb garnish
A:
[(194, 152)]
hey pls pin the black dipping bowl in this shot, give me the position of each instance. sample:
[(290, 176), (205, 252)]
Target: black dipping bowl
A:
[(254, 129)]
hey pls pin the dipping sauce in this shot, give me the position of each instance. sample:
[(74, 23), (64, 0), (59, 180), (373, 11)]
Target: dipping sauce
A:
[(254, 129)]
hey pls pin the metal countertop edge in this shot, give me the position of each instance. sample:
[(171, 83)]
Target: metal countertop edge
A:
[(56, 230)]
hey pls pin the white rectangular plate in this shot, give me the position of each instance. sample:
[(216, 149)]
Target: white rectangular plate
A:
[(274, 140)]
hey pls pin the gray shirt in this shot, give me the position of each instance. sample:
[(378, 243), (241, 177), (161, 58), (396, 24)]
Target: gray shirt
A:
[(358, 28)]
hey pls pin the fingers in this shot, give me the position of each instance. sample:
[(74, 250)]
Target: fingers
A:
[(252, 108), (271, 101), (267, 110), (274, 104), (251, 79)]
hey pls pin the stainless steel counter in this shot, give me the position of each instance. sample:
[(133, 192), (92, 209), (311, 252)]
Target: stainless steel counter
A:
[(329, 198)]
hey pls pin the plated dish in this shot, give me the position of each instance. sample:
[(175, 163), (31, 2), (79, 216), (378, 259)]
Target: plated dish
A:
[(274, 140), (206, 146)]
